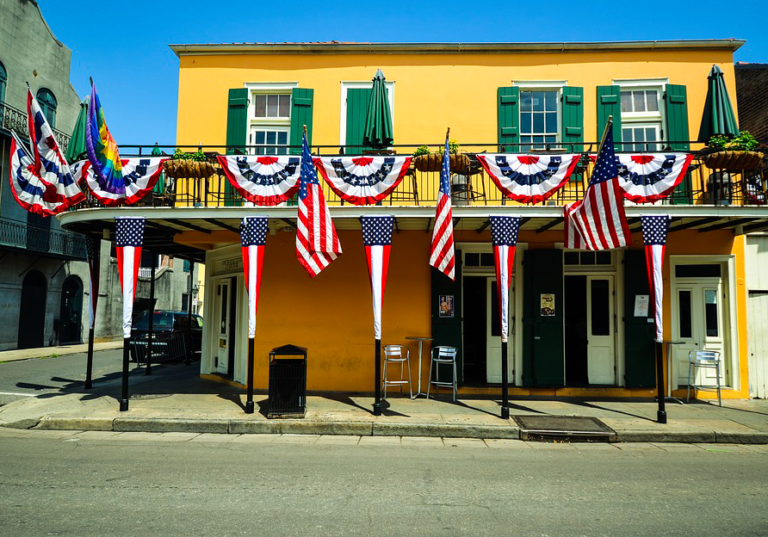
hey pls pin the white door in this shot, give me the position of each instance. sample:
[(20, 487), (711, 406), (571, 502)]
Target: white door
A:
[(699, 326), (601, 338), (222, 329), (493, 334)]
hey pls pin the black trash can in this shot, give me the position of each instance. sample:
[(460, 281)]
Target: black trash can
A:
[(287, 382)]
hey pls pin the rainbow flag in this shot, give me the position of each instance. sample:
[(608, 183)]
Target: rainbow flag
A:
[(102, 149)]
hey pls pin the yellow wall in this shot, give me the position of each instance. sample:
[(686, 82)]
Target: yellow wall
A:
[(431, 91)]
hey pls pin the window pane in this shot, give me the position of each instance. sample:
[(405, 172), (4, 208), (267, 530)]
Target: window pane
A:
[(638, 99), (259, 137), (587, 258), (551, 122), (601, 324), (487, 260), (538, 101), (495, 321), (626, 101), (525, 101), (272, 105), (626, 135), (261, 106), (571, 258), (223, 319), (551, 101), (710, 307), (652, 100), (472, 260), (697, 271), (550, 139), (525, 123), (271, 137), (639, 135), (282, 137), (684, 313), (603, 258), (538, 123), (285, 106)]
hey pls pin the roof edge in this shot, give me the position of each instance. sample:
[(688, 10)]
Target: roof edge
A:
[(334, 47)]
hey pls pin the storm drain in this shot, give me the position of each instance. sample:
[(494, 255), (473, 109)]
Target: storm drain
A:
[(564, 429)]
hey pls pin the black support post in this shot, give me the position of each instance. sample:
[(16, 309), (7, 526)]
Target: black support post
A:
[(89, 362), (377, 376), (188, 361), (504, 381), (124, 394), (661, 415), (249, 380), (148, 369)]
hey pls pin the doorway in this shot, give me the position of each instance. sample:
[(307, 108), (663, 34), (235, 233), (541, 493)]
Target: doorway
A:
[(32, 311), (222, 316), (70, 312), (590, 338)]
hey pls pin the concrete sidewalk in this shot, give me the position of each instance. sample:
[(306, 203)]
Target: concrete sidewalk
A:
[(209, 407), (47, 352)]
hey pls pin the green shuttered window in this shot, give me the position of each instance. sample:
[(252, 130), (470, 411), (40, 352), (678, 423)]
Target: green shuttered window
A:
[(609, 104), (508, 112), (676, 103)]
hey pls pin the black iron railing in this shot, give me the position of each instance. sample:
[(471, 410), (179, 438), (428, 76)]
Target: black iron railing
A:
[(471, 184), (42, 241), (14, 119)]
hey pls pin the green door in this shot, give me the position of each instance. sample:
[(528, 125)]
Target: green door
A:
[(543, 346), (639, 365), (446, 316)]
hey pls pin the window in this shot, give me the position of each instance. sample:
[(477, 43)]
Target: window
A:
[(538, 118), (710, 312), (641, 135), (272, 106), (3, 82), (47, 103), (684, 314), (271, 139), (588, 258), (641, 115), (634, 101), (477, 259)]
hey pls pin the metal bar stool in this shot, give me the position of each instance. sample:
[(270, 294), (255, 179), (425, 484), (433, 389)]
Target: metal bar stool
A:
[(397, 354), (443, 355), (706, 360)]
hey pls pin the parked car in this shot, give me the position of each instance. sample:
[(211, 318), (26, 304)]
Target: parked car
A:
[(170, 332)]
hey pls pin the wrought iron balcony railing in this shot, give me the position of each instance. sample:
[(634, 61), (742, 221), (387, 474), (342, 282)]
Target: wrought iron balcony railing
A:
[(13, 118), (42, 241), (701, 186)]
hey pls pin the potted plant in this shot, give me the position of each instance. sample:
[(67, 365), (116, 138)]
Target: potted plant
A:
[(188, 165), (425, 161), (733, 154)]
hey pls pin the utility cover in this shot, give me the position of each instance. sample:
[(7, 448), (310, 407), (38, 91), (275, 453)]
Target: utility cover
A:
[(566, 428)]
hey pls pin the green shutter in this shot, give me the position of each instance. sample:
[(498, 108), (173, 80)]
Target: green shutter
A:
[(301, 114), (447, 330), (508, 111), (609, 104), (237, 129), (543, 345), (676, 104), (639, 364), (573, 119), (357, 109)]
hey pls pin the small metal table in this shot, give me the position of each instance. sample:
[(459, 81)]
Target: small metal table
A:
[(421, 341)]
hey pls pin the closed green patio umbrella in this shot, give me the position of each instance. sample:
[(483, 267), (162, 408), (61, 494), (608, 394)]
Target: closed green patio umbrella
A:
[(378, 121), (160, 185), (718, 115), (76, 148)]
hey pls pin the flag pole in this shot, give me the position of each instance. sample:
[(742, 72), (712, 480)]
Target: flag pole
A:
[(249, 397), (89, 361), (504, 378), (148, 368), (124, 389), (377, 379)]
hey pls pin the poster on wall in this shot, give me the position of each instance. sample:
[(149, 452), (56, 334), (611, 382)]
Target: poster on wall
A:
[(641, 305), (446, 305), (547, 305)]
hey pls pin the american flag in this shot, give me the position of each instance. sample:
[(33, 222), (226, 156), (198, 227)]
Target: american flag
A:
[(598, 221), (504, 231), (129, 237), (253, 236), (377, 237), (441, 252), (94, 255), (655, 238), (316, 241)]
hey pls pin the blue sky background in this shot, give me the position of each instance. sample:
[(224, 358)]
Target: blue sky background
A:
[(123, 45)]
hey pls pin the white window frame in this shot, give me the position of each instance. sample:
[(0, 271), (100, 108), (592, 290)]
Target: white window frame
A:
[(645, 125), (638, 119), (543, 85), (268, 127), (347, 85), (268, 88)]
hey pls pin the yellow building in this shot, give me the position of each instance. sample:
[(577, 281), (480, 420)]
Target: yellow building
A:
[(495, 97)]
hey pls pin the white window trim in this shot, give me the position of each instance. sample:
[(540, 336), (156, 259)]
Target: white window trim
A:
[(533, 85), (267, 88), (389, 84), (660, 117)]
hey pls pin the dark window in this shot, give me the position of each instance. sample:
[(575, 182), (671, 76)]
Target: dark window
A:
[(571, 258), (187, 266), (603, 258), (710, 312), (161, 321), (495, 320), (601, 322), (487, 260), (47, 103), (472, 260), (184, 301), (684, 313), (587, 258), (697, 271), (3, 82)]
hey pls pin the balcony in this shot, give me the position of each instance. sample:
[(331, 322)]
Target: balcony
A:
[(42, 241), (13, 118)]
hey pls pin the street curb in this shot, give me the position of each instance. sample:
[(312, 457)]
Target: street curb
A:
[(363, 428)]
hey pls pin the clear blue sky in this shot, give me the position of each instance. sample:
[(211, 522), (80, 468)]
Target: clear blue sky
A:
[(123, 45)]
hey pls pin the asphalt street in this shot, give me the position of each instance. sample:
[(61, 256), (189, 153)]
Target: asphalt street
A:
[(95, 483)]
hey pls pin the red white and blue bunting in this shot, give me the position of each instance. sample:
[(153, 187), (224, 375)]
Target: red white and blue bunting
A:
[(139, 174), (363, 180), (529, 178), (263, 180), (651, 177)]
